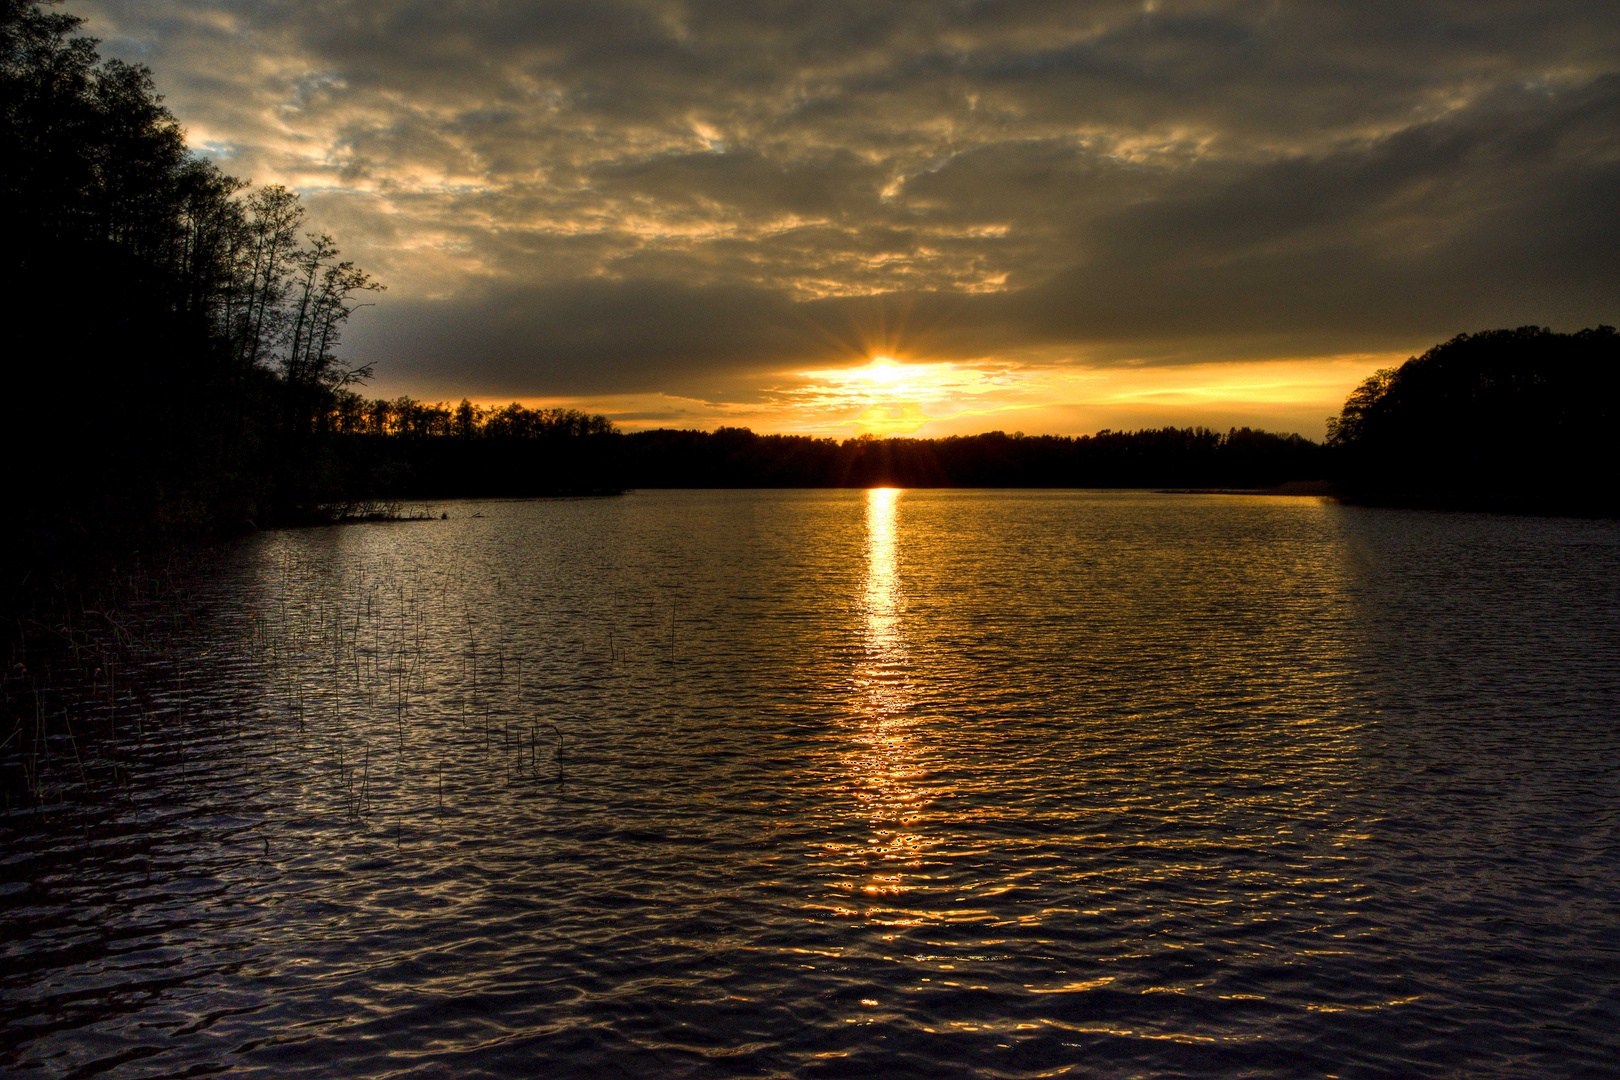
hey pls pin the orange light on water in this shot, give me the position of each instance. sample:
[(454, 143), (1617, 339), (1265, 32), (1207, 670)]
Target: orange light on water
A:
[(884, 762)]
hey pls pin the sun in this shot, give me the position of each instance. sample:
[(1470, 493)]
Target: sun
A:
[(886, 396), (883, 369)]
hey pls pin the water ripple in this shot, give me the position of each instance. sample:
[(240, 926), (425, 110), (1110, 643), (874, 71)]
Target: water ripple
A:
[(851, 783)]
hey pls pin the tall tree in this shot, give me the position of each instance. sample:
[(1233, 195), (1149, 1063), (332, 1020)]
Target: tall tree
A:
[(176, 328)]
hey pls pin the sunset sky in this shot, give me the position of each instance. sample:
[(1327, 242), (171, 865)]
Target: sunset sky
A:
[(932, 217)]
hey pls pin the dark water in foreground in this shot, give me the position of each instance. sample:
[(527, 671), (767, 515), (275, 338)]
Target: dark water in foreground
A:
[(852, 784)]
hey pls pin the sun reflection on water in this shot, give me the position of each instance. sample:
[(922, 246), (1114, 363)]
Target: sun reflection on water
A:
[(883, 760), (882, 672)]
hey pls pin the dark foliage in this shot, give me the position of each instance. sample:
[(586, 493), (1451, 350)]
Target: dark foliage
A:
[(1168, 457), (172, 336), (1505, 419), (407, 449)]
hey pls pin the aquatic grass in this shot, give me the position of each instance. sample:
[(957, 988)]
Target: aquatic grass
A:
[(325, 682), (558, 732)]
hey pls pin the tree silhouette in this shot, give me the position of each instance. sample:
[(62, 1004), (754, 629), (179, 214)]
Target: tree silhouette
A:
[(1508, 419), (177, 332)]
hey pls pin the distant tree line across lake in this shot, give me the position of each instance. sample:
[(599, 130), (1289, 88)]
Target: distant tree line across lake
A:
[(174, 337), (406, 449), (1520, 420)]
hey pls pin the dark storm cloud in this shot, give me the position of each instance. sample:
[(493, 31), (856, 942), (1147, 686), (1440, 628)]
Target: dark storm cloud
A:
[(604, 196), (593, 336)]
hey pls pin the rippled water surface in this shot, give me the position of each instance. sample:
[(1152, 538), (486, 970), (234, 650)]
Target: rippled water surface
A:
[(851, 784)]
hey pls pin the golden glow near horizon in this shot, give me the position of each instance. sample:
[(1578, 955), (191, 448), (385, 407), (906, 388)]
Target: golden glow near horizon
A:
[(894, 396), (887, 396)]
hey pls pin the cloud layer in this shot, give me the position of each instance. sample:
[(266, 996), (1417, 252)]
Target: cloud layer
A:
[(610, 197)]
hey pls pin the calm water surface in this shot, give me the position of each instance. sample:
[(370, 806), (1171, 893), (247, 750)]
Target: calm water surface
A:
[(853, 784)]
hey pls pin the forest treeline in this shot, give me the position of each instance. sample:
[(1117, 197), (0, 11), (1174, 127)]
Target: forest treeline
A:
[(392, 450), (1164, 457), (405, 449)]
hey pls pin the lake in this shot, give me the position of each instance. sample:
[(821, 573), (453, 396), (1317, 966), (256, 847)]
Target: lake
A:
[(845, 783)]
